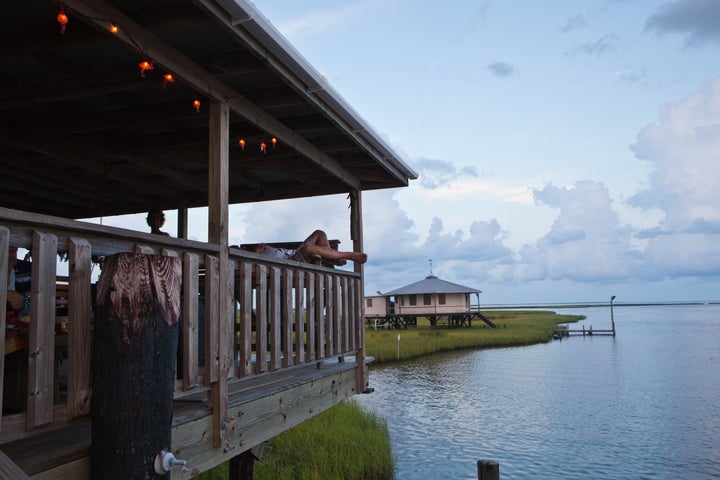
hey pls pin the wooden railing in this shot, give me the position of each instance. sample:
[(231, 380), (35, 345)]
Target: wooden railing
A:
[(280, 314)]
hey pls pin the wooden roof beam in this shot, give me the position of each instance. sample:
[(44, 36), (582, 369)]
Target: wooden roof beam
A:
[(163, 54)]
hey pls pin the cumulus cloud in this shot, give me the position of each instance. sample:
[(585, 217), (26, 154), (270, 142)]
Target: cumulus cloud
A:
[(574, 23), (501, 69), (699, 20), (586, 242), (683, 149)]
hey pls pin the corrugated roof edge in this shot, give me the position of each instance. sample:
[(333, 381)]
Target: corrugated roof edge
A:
[(244, 13)]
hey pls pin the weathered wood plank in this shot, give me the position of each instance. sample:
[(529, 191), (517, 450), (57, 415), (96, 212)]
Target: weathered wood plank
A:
[(245, 331), (41, 339), (287, 318), (345, 316), (191, 290), (299, 318), (319, 317), (330, 308), (275, 318), (79, 330), (212, 319), (310, 314), (337, 329), (261, 318)]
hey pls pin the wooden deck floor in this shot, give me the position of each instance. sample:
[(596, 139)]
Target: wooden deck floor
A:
[(260, 408)]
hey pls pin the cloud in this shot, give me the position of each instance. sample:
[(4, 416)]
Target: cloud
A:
[(683, 149), (699, 20), (602, 45), (501, 69), (434, 173), (574, 23)]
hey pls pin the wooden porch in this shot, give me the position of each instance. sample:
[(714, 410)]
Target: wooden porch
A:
[(113, 107), (293, 350)]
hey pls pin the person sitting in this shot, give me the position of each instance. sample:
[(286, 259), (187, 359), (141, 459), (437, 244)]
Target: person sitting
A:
[(315, 245), (155, 220)]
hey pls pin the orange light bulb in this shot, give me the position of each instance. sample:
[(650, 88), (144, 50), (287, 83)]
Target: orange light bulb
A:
[(114, 28), (241, 142), (168, 78), (62, 20), (263, 147), (196, 106), (144, 66), (274, 142)]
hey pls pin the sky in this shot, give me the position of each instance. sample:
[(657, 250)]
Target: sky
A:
[(566, 150)]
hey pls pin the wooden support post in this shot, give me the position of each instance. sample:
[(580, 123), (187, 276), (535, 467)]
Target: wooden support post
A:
[(134, 356), (218, 192), (488, 470), (356, 232)]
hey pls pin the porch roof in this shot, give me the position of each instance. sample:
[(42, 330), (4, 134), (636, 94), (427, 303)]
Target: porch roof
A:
[(84, 134)]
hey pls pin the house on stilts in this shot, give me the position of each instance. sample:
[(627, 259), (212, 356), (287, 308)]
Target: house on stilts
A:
[(185, 351), (442, 302)]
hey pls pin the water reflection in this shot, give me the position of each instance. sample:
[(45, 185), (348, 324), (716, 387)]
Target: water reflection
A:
[(639, 405)]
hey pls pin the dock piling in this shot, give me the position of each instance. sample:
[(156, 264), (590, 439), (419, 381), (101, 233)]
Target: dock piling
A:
[(488, 470)]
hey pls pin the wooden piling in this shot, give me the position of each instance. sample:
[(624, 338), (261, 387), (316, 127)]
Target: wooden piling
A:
[(134, 358), (488, 470)]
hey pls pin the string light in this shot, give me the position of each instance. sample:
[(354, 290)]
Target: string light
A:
[(274, 142), (114, 28), (241, 142), (263, 147), (144, 66), (196, 106), (168, 78), (62, 20)]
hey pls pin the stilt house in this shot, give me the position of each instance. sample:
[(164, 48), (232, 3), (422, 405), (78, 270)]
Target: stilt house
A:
[(112, 107)]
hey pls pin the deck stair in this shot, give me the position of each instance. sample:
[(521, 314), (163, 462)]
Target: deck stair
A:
[(485, 319)]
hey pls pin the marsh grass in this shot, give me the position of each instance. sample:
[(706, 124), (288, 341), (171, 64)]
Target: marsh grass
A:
[(515, 328)]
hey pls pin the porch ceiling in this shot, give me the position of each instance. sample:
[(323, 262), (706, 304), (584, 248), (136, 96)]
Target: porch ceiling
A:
[(83, 134)]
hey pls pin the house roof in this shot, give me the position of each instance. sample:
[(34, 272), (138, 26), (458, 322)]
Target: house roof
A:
[(84, 134), (431, 284)]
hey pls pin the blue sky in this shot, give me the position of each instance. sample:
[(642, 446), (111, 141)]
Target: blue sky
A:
[(567, 151)]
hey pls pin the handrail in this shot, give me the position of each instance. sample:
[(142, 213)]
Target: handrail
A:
[(285, 313)]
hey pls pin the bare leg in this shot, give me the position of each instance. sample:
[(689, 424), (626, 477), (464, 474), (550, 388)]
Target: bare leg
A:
[(332, 255)]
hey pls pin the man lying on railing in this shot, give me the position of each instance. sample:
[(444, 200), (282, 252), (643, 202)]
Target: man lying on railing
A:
[(316, 245)]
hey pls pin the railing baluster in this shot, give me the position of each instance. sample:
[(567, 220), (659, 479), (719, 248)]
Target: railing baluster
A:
[(261, 319), (190, 330), (287, 312), (299, 317), (212, 319), (79, 319), (274, 320), (41, 340), (244, 296), (310, 314)]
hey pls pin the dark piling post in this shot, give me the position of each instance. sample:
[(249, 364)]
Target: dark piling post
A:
[(488, 470), (134, 356)]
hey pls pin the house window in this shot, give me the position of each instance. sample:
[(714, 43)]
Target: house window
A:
[(413, 299), (369, 303), (427, 299), (441, 298)]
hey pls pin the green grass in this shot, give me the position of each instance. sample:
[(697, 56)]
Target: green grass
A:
[(343, 442), (515, 328)]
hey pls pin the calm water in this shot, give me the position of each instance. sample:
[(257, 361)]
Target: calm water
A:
[(642, 405)]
